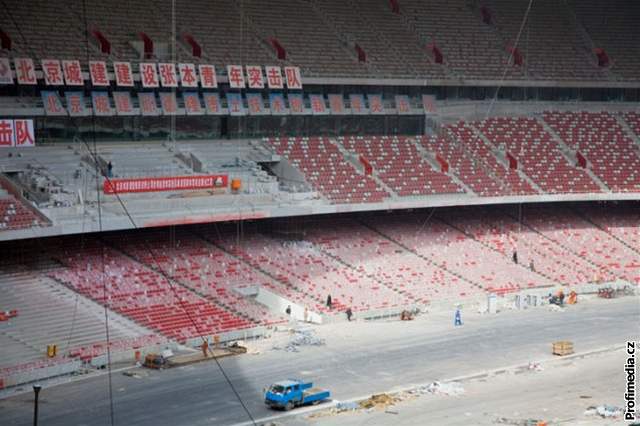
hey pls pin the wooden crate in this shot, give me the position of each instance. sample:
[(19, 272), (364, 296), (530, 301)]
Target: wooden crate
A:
[(562, 348)]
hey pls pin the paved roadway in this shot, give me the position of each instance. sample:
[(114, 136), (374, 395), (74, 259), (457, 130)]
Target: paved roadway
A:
[(377, 357)]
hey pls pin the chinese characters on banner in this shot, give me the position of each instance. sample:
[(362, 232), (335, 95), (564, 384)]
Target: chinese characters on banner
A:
[(5, 71), (148, 75), (336, 104), (124, 74), (52, 103), (235, 105), (98, 71), (75, 104), (169, 103), (52, 72), (123, 103), (429, 104), (148, 104), (358, 106), (192, 104), (375, 104), (296, 103), (7, 137), (17, 133), (277, 105), (208, 79), (403, 105), (188, 77), (318, 107), (25, 71), (255, 104), (294, 81), (254, 77), (212, 103), (274, 77), (72, 73), (236, 76), (168, 76), (101, 104)]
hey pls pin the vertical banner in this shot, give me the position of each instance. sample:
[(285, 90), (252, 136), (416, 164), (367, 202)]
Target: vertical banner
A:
[(7, 139), (235, 105), (124, 74), (24, 133), (52, 72), (25, 71), (98, 72), (72, 73), (375, 104), (254, 77), (403, 104), (75, 104), (318, 107), (101, 104), (192, 104), (429, 104), (188, 77), (274, 77), (148, 104), (124, 105), (236, 76), (212, 103), (52, 103), (294, 80), (277, 105), (296, 103), (169, 103), (358, 106), (5, 71), (255, 104), (336, 104)]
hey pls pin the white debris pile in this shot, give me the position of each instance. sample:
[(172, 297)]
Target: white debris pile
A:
[(604, 411), (439, 388), (535, 366), (301, 338)]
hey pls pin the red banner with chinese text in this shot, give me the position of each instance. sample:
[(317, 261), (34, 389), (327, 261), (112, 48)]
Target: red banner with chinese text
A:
[(173, 183)]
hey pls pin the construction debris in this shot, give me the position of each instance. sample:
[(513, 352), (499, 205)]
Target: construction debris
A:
[(534, 366), (449, 389), (519, 422), (305, 337), (346, 406), (604, 411), (382, 400)]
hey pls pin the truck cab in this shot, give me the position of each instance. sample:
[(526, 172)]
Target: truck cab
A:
[(288, 394)]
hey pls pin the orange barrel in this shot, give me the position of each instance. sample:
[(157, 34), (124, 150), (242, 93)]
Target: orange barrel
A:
[(236, 184)]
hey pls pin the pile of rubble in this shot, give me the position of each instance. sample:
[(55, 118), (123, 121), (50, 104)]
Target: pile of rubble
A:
[(604, 411), (299, 338)]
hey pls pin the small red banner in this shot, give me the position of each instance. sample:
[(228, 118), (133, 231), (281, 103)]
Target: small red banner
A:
[(174, 183)]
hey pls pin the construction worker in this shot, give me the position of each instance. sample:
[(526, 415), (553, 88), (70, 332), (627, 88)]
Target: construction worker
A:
[(349, 314), (457, 319), (205, 348)]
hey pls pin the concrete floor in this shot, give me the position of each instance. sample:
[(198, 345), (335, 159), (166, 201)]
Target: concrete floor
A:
[(359, 359)]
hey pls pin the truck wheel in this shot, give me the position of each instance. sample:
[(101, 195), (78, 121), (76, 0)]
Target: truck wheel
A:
[(288, 406)]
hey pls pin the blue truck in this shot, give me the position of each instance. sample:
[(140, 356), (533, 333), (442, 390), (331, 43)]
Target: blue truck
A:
[(288, 394)]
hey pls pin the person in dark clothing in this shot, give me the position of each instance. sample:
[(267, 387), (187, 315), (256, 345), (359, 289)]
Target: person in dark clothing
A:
[(349, 314), (329, 301), (515, 257), (288, 310), (109, 169), (532, 266)]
